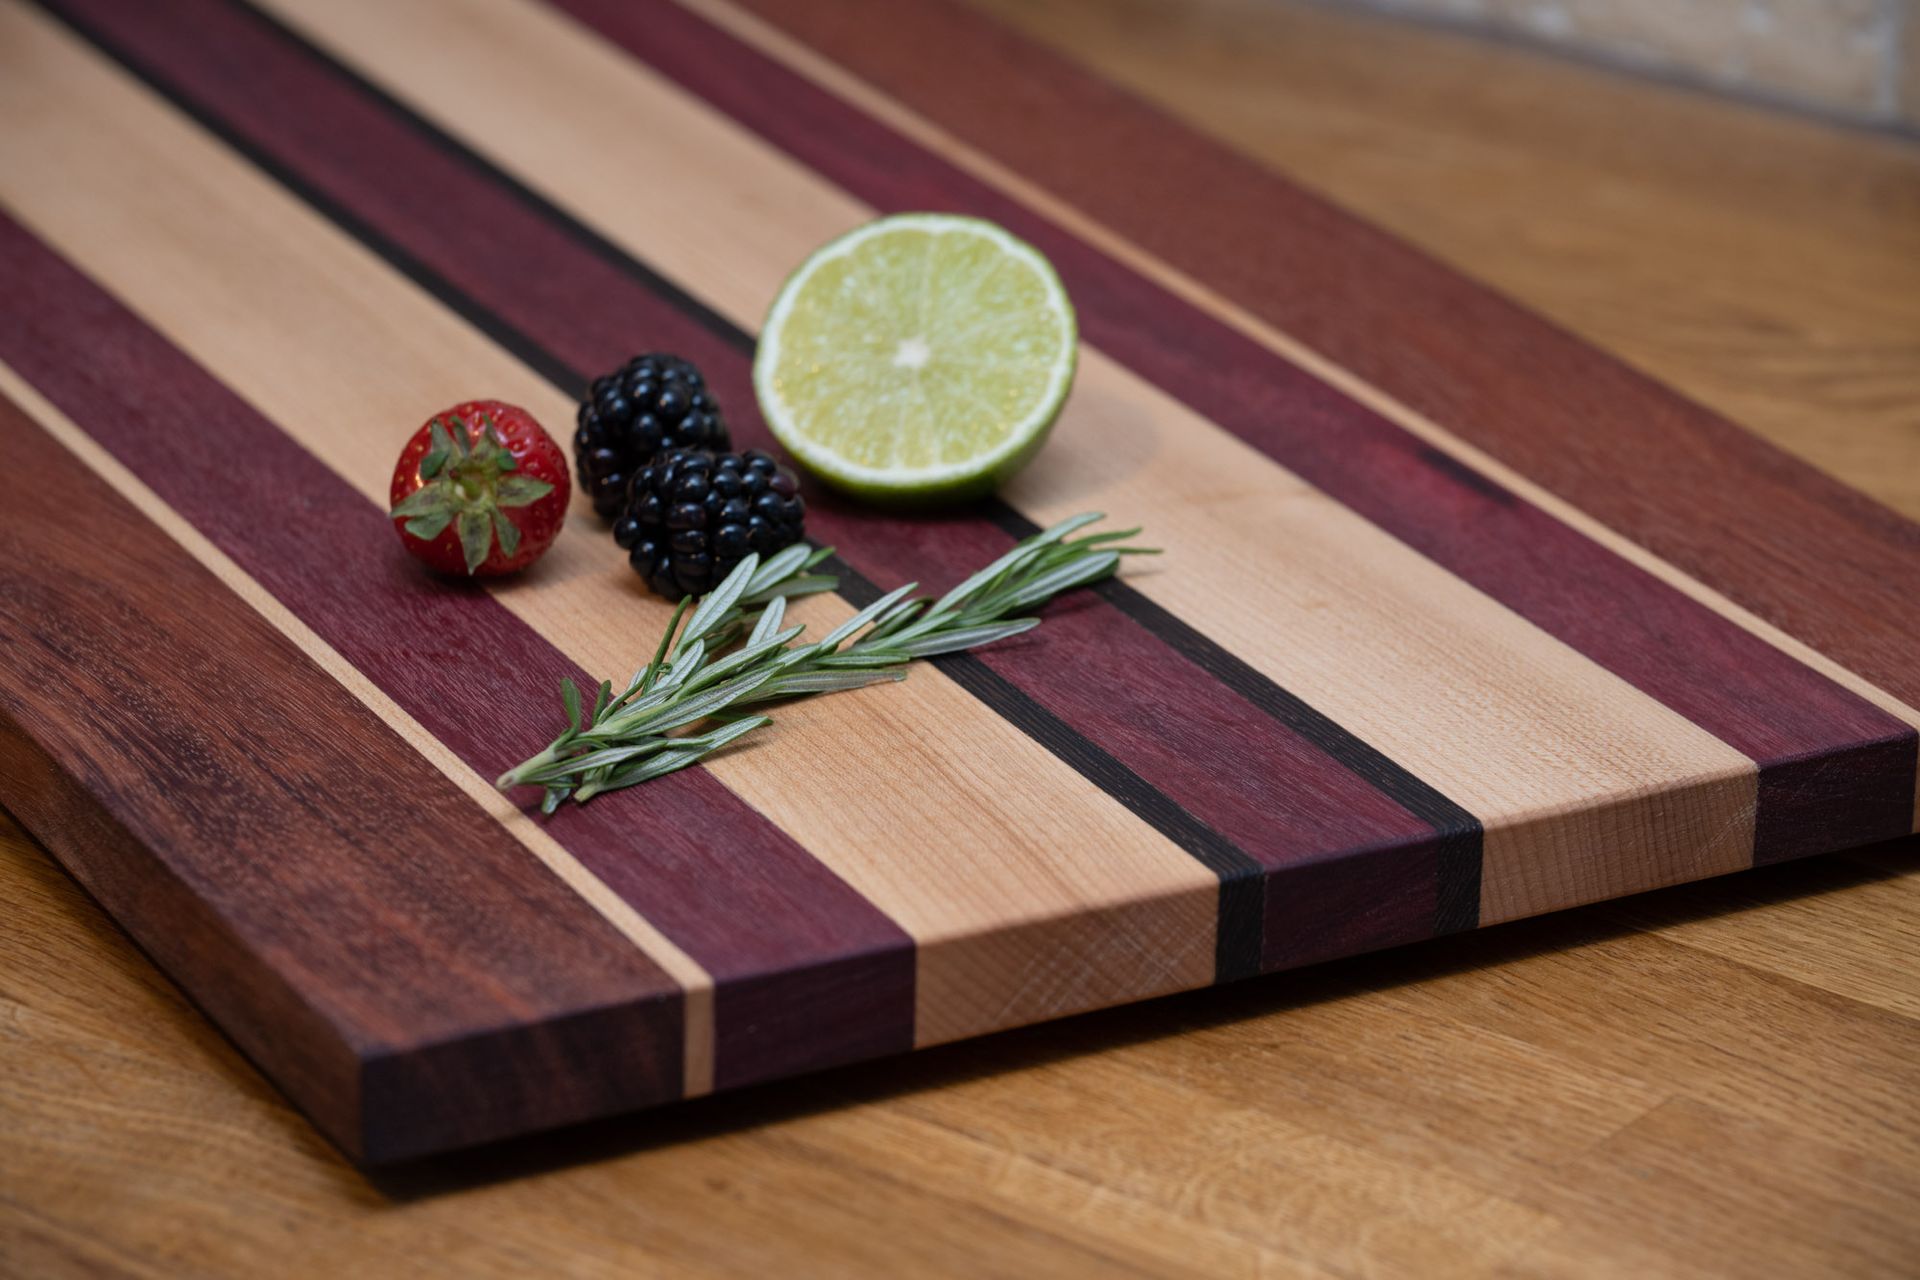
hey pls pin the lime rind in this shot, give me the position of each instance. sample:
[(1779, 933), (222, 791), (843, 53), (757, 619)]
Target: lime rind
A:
[(1020, 435)]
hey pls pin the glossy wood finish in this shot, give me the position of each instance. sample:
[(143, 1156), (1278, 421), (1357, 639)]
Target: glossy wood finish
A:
[(1717, 1079), (1753, 697), (1684, 483), (295, 919), (1593, 765)]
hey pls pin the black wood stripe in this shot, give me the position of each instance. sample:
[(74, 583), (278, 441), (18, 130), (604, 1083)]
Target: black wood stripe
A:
[(1237, 949), (1460, 833), (1239, 933), (1242, 882)]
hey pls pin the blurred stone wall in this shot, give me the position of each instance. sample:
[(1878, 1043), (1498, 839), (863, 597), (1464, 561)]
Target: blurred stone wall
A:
[(1854, 58)]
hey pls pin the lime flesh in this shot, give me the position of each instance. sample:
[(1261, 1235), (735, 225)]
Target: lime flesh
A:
[(920, 358)]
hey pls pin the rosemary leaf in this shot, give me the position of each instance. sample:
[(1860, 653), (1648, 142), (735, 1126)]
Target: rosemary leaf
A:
[(893, 619), (780, 566), (1096, 539), (742, 658), (770, 620), (826, 682), (979, 581), (701, 705), (715, 604), (736, 650), (631, 713), (1074, 573), (866, 615), (860, 659), (686, 661), (963, 638), (644, 680), (605, 757), (1069, 526), (804, 585), (667, 762)]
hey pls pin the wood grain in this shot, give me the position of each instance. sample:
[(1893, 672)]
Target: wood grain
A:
[(1700, 493), (1208, 744), (266, 906), (695, 983), (685, 48), (1372, 616), (1452, 658), (1519, 845), (1343, 1120), (1268, 390), (1447, 504), (977, 910), (1807, 333), (1499, 1100)]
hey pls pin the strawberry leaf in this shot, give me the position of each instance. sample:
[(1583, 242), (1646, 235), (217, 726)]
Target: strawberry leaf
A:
[(430, 526), (437, 453), (476, 537), (429, 501), (518, 490), (508, 532)]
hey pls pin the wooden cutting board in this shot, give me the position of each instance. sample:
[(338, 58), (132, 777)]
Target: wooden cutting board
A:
[(1459, 621)]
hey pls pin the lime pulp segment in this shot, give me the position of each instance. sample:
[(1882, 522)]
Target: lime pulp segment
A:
[(922, 354)]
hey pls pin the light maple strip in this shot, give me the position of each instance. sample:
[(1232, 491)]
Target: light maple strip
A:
[(1032, 893), (1588, 787), (769, 40), (694, 980)]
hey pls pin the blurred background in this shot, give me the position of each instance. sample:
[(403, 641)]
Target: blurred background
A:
[(1856, 59), (1724, 193)]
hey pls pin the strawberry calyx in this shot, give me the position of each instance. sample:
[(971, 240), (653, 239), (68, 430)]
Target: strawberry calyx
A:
[(468, 480)]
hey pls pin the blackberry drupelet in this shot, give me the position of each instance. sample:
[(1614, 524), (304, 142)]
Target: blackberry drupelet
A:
[(693, 516), (651, 405)]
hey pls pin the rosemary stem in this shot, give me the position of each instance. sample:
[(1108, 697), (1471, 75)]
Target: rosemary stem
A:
[(732, 653), (517, 775)]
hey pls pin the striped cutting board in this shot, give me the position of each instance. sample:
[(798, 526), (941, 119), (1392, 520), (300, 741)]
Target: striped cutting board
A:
[(1460, 620)]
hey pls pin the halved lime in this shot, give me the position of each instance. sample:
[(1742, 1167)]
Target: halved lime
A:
[(921, 357)]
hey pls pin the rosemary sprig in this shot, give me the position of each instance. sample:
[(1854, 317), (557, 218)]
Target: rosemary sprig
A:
[(735, 652)]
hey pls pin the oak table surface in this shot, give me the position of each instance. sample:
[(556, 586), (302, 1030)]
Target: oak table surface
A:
[(1718, 1079)]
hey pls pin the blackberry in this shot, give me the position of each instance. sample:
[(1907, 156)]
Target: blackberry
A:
[(650, 405), (691, 517)]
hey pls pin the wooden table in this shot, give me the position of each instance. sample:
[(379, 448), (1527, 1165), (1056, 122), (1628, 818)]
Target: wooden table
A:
[(1720, 1078)]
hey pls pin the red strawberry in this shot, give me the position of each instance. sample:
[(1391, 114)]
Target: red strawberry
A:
[(480, 489)]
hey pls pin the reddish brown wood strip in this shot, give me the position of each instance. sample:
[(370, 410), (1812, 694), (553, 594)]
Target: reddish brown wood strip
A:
[(1290, 797), (286, 855), (1834, 769), (1821, 561), (1269, 789), (781, 934)]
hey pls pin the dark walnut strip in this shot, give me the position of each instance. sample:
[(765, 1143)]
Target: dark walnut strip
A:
[(289, 858)]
